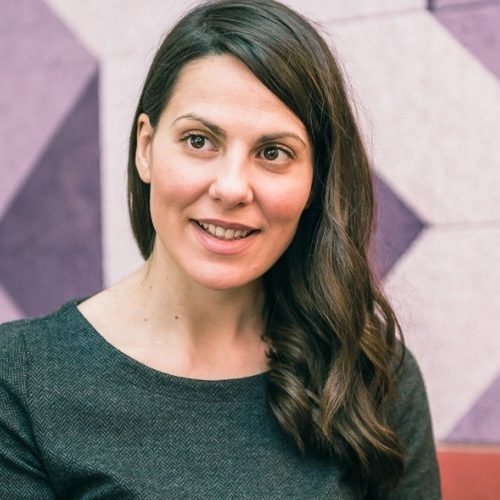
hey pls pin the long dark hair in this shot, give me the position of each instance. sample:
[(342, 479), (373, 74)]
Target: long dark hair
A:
[(331, 334)]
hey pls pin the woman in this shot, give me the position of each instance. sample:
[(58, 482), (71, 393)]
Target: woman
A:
[(252, 355)]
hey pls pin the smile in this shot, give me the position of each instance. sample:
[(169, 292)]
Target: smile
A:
[(223, 233)]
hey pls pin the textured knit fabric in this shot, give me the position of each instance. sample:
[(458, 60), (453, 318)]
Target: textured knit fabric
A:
[(80, 419)]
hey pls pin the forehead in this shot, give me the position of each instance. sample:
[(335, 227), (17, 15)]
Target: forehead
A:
[(223, 88)]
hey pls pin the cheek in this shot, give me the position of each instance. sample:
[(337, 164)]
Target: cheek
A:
[(175, 185), (285, 206)]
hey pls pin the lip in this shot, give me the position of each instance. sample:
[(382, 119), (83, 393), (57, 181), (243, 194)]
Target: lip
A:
[(226, 224), (218, 246)]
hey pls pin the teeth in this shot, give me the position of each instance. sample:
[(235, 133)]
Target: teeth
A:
[(224, 234)]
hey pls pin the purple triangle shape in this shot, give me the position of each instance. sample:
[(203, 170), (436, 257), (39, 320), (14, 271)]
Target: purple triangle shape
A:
[(477, 27), (44, 71), (396, 228), (439, 4), (481, 424), (50, 238)]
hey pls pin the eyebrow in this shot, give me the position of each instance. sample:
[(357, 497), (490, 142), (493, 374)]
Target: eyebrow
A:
[(216, 130), (211, 126)]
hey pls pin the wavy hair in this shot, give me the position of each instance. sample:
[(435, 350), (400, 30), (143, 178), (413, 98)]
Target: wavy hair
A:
[(331, 333)]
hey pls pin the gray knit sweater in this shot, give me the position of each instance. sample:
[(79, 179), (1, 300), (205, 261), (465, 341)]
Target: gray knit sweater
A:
[(80, 419)]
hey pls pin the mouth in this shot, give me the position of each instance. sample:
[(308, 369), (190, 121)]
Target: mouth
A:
[(225, 234)]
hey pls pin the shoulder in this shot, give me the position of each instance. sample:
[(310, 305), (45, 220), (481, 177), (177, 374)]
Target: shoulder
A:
[(407, 409), (410, 390), (408, 376), (25, 345), (39, 356), (36, 339), (13, 341), (36, 330), (409, 405), (410, 418), (12, 356), (12, 333)]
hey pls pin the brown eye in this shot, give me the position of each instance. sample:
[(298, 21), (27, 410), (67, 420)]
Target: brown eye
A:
[(275, 154), (197, 141), (271, 153)]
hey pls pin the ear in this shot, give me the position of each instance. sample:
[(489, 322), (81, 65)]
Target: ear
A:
[(145, 134)]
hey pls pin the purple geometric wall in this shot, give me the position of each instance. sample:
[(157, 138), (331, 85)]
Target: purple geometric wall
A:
[(476, 25), (50, 229), (481, 424), (396, 228), (50, 216)]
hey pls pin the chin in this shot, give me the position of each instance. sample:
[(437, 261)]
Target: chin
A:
[(221, 283)]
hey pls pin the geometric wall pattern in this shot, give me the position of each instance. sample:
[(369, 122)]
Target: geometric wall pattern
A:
[(396, 229), (427, 84), (50, 217), (425, 76), (476, 27), (481, 423)]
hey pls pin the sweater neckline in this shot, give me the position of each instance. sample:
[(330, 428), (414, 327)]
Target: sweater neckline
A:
[(248, 388)]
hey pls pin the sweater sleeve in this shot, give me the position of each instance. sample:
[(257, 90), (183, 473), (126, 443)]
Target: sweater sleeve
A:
[(412, 421), (21, 473)]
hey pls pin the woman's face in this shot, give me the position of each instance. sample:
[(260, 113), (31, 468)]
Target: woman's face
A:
[(230, 168)]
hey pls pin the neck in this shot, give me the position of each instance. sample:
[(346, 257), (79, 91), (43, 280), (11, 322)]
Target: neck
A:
[(191, 319), (202, 313)]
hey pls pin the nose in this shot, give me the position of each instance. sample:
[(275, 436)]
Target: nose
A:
[(231, 184)]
